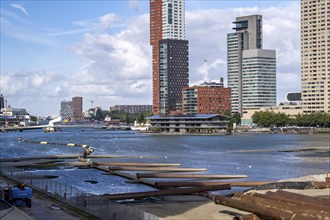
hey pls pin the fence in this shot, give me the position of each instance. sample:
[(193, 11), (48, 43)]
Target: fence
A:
[(99, 207)]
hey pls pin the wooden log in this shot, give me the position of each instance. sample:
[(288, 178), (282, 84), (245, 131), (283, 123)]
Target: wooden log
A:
[(257, 209), (137, 164), (308, 203), (205, 183), (125, 175), (165, 192), (247, 217), (304, 210), (173, 175), (167, 169), (299, 197)]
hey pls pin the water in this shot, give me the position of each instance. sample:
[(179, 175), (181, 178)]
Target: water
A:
[(219, 154)]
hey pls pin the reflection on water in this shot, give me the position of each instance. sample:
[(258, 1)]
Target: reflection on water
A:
[(219, 154)]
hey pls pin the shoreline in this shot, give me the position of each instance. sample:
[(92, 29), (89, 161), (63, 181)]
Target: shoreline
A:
[(185, 207)]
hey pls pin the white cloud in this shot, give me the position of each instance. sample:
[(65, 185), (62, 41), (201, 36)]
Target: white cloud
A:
[(118, 67), (21, 8)]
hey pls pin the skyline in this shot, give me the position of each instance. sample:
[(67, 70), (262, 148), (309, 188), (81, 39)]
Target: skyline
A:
[(102, 48)]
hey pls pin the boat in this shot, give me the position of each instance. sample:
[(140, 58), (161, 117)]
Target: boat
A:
[(140, 127)]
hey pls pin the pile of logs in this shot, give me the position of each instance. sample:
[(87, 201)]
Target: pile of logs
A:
[(276, 205)]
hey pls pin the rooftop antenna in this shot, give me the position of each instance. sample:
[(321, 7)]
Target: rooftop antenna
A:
[(206, 71), (91, 102)]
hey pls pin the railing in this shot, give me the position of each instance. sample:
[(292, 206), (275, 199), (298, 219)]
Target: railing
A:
[(101, 208)]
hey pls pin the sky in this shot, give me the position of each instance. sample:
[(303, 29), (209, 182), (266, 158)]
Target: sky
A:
[(57, 49)]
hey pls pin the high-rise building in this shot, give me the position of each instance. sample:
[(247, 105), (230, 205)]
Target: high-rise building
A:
[(251, 69), (315, 62), (207, 98), (77, 110), (169, 54), (66, 110)]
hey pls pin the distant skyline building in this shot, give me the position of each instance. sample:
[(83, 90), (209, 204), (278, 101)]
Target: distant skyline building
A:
[(315, 64), (2, 102), (251, 69), (170, 56), (131, 108), (207, 98), (66, 110), (77, 109)]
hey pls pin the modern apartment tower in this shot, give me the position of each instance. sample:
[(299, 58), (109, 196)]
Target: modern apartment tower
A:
[(315, 58), (251, 69), (66, 110), (170, 58)]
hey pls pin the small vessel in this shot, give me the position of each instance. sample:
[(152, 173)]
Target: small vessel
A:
[(138, 127), (49, 129)]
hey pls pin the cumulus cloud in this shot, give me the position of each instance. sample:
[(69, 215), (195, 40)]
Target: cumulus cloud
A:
[(118, 64), (207, 34)]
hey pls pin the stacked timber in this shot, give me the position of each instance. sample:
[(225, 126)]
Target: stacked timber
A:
[(278, 205)]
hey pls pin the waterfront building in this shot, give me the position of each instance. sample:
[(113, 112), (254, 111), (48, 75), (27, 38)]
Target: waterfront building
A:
[(258, 78), (131, 108), (170, 66), (174, 76), (289, 109), (206, 98), (77, 109), (200, 123), (66, 110), (315, 64), (251, 69)]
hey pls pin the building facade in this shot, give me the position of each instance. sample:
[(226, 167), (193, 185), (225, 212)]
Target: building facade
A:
[(132, 108), (196, 123), (2, 102), (167, 38), (173, 74), (207, 98), (77, 109), (248, 64), (66, 110), (258, 78), (315, 58)]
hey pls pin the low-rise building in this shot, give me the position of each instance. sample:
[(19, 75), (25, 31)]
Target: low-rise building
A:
[(132, 108), (194, 123), (207, 98), (288, 109)]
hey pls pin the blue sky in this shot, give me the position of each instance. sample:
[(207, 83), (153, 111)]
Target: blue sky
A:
[(54, 50)]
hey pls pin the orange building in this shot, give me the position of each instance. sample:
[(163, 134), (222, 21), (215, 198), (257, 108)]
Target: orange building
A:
[(156, 31), (208, 98)]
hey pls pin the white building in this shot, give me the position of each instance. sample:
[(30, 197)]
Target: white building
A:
[(259, 78), (251, 70), (173, 19)]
